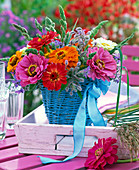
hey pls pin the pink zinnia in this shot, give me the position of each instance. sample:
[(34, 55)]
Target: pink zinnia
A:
[(102, 65), (30, 69), (102, 153)]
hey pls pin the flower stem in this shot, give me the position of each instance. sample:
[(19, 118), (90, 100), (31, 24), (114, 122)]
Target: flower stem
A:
[(127, 160)]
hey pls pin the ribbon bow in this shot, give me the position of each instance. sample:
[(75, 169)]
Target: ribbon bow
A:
[(91, 94)]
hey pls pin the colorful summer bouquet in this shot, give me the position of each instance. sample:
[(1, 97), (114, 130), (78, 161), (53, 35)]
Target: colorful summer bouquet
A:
[(63, 61)]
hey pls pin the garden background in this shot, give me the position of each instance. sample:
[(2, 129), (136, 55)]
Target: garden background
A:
[(122, 14)]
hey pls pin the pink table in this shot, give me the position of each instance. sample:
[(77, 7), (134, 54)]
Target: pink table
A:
[(10, 159)]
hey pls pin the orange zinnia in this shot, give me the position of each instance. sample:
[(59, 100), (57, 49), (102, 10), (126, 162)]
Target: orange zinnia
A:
[(66, 53), (14, 60)]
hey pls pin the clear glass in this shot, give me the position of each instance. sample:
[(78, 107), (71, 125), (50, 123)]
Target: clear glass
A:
[(15, 104), (4, 94), (2, 75)]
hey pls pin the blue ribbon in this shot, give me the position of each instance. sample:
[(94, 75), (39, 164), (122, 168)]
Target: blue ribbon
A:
[(92, 92)]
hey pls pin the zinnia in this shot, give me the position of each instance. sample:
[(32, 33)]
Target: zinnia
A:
[(54, 76), (102, 65), (45, 40), (105, 44), (30, 69), (62, 54), (102, 153), (14, 60)]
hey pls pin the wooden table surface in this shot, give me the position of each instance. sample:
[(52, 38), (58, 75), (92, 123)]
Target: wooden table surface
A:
[(11, 159)]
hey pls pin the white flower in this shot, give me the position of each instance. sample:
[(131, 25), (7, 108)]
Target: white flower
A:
[(24, 49), (105, 44)]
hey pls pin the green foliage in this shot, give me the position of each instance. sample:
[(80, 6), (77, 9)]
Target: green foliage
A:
[(95, 30), (32, 50), (38, 25)]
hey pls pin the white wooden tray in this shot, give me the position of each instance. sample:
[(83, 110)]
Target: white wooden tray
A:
[(36, 136)]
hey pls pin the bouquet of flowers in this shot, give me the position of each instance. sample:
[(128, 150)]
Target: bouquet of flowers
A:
[(71, 69), (72, 61)]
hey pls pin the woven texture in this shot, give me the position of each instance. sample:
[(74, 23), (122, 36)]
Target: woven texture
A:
[(61, 108)]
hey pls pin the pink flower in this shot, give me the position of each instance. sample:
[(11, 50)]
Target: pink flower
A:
[(30, 69), (102, 153), (102, 65)]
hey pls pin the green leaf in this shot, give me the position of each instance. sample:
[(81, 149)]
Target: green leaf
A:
[(4, 59), (31, 50), (47, 29), (119, 88), (91, 55), (63, 86), (95, 30), (53, 46), (53, 25), (38, 35), (38, 26), (27, 37), (41, 53), (62, 14), (79, 94), (48, 21), (52, 28), (124, 42), (20, 28), (66, 38), (47, 47), (63, 33), (64, 24)]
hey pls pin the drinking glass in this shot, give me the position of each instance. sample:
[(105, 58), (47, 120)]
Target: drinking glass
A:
[(15, 103), (4, 93), (2, 75)]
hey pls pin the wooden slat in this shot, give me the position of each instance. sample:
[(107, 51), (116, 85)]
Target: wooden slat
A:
[(8, 143), (130, 50), (10, 133), (133, 79), (28, 162), (131, 65), (73, 164), (10, 154)]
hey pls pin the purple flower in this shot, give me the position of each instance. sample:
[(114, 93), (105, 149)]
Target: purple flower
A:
[(6, 49), (7, 35), (30, 69)]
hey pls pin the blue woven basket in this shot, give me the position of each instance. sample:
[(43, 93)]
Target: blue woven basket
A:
[(61, 108)]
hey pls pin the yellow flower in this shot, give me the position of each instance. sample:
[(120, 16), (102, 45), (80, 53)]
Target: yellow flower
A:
[(14, 60), (66, 53), (105, 44), (46, 53)]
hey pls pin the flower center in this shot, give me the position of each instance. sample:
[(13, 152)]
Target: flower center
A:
[(32, 70), (13, 60), (54, 76), (39, 40), (98, 152), (105, 44), (60, 55), (100, 63)]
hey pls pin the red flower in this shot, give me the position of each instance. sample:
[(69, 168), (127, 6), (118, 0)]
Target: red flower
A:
[(45, 40), (54, 76), (102, 153)]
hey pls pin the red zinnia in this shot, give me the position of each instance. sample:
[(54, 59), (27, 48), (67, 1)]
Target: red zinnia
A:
[(102, 153), (54, 76), (45, 40)]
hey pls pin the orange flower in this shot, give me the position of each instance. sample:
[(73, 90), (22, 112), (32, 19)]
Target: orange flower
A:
[(66, 53), (14, 60)]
